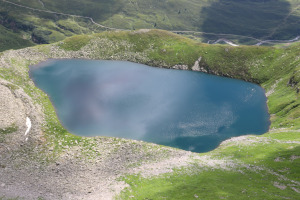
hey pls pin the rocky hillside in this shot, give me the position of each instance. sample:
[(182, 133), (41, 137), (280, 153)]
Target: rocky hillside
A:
[(50, 163)]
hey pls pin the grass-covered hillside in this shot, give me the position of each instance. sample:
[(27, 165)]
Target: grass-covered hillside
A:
[(247, 167), (264, 20), (273, 68), (11, 40)]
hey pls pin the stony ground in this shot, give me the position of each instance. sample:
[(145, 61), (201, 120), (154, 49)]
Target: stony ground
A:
[(90, 168), (71, 175), (34, 168), (74, 173)]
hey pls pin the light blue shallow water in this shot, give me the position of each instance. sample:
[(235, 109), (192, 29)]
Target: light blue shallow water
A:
[(183, 109)]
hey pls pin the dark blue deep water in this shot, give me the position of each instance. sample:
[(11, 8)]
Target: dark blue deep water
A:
[(183, 109)]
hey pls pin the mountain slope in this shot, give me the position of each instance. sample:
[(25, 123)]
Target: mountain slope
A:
[(256, 167), (264, 20), (11, 40)]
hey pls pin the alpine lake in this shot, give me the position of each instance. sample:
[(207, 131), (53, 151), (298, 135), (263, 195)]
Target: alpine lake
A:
[(178, 108)]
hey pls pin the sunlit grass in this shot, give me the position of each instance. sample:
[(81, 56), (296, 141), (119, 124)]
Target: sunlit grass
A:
[(264, 167)]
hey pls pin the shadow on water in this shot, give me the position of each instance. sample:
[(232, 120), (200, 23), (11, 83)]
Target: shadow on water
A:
[(263, 19), (204, 143)]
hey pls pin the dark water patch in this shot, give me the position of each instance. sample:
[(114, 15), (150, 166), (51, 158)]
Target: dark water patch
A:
[(183, 109)]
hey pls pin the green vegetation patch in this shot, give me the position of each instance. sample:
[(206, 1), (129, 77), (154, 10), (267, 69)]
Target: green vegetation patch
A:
[(74, 43), (11, 40), (11, 129), (5, 198), (208, 184), (284, 135), (12, 87), (263, 167), (268, 19), (258, 167)]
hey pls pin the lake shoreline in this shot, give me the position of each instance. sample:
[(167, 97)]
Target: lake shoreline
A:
[(89, 88), (53, 161)]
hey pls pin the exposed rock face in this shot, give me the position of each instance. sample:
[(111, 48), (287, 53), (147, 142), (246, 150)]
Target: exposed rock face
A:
[(12, 110), (196, 66), (89, 167), (141, 31), (15, 106), (25, 171), (181, 67), (32, 169)]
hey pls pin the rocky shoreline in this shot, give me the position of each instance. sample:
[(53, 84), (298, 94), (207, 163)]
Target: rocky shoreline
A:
[(26, 172), (34, 169), (57, 165)]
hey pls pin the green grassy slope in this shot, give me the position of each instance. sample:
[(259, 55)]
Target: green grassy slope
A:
[(11, 40), (244, 17), (267, 66), (268, 19), (24, 27), (254, 167)]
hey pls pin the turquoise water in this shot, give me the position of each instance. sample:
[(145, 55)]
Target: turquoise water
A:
[(183, 109)]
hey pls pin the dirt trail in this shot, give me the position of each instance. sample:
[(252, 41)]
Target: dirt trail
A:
[(59, 13), (283, 22)]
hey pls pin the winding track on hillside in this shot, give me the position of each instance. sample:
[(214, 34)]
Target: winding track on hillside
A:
[(59, 13), (41, 3), (283, 21), (260, 42), (91, 169)]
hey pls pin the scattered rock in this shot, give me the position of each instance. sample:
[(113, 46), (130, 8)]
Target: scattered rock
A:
[(181, 67), (280, 186), (293, 157), (196, 66)]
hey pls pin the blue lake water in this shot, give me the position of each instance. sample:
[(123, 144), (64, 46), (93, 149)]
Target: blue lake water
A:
[(183, 109)]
